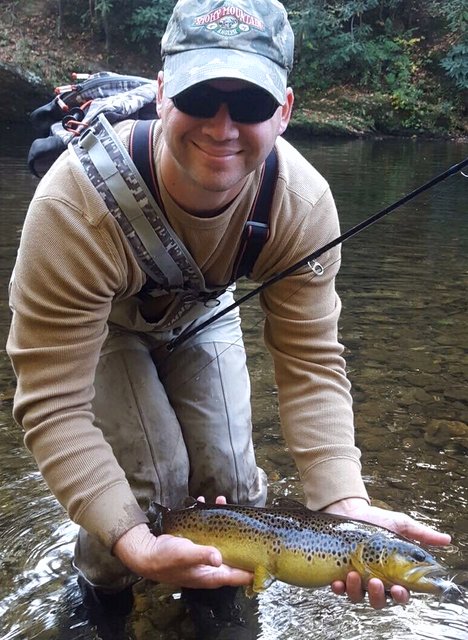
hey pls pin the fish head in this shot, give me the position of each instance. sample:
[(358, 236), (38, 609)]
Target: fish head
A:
[(400, 562)]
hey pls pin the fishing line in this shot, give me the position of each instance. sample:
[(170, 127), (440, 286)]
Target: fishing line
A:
[(310, 260)]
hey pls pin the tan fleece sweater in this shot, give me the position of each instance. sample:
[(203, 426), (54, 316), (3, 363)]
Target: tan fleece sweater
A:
[(75, 271)]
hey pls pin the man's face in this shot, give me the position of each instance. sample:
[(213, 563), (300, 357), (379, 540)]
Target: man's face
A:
[(214, 155)]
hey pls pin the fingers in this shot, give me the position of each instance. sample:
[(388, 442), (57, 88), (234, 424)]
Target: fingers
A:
[(376, 593), (204, 577), (414, 530), (199, 554), (354, 587), (184, 553), (219, 499), (338, 588), (180, 562), (199, 566), (400, 595), (375, 589), (406, 526)]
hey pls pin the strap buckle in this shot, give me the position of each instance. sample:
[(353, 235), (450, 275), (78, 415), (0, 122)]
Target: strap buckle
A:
[(316, 267)]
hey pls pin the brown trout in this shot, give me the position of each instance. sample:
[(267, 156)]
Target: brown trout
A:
[(288, 542)]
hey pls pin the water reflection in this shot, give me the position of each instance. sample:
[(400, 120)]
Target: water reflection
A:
[(403, 284), (290, 613)]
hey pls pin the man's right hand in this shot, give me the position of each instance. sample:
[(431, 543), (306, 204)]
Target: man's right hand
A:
[(176, 561)]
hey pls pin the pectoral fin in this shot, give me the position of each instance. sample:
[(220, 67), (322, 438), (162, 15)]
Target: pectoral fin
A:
[(262, 580)]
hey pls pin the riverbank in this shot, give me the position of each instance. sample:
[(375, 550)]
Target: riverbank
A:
[(34, 59), (344, 111)]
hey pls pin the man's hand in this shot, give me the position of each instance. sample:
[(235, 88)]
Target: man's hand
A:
[(400, 523), (176, 561)]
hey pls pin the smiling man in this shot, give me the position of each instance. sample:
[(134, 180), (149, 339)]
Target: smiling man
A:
[(113, 419), (208, 163)]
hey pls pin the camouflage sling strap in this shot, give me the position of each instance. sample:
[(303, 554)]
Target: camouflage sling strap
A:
[(159, 251)]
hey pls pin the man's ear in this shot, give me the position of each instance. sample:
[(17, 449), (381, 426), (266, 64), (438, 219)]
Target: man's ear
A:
[(286, 111), (159, 96)]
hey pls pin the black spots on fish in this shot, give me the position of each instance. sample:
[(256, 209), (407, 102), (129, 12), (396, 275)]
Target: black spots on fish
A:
[(343, 561), (276, 546), (341, 558), (376, 550), (217, 523), (316, 547), (383, 549)]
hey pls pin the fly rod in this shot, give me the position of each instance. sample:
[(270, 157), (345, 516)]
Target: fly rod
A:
[(310, 259)]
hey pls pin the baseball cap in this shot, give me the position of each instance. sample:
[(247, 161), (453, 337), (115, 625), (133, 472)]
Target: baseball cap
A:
[(249, 40)]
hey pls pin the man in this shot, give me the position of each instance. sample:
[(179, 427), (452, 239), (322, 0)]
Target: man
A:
[(115, 420)]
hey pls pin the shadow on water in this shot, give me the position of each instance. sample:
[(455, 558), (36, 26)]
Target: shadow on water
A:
[(403, 285)]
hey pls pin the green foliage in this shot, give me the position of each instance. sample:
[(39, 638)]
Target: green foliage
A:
[(390, 46), (103, 7), (455, 61), (149, 21), (456, 65), (131, 21), (455, 12)]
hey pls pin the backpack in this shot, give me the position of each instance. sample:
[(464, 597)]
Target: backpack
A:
[(111, 97), (75, 106)]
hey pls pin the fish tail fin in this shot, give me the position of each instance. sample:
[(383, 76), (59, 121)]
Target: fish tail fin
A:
[(155, 515)]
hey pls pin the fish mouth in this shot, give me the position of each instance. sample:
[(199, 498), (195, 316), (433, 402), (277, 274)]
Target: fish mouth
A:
[(428, 571), (434, 579), (430, 575)]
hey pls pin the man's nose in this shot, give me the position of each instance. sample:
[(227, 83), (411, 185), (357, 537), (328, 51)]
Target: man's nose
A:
[(221, 126)]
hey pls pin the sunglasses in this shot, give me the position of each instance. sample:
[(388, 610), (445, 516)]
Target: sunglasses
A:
[(246, 106)]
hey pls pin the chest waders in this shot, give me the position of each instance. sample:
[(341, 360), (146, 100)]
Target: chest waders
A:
[(137, 208)]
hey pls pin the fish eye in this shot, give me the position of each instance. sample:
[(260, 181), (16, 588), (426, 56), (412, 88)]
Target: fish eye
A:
[(419, 555)]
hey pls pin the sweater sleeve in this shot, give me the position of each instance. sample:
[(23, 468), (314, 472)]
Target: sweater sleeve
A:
[(301, 332), (68, 271)]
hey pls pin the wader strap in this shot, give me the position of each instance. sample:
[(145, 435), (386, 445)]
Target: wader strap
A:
[(141, 152), (256, 229), (158, 250)]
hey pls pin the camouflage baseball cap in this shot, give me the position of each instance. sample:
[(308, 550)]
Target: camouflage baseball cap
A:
[(249, 40)]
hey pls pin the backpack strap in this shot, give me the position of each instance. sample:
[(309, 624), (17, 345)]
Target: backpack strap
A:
[(256, 230)]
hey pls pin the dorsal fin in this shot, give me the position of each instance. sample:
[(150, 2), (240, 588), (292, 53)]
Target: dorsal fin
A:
[(288, 503)]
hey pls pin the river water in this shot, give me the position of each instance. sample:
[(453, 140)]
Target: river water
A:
[(403, 283)]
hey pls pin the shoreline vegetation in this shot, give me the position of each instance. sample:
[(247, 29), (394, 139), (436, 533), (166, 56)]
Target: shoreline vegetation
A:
[(388, 73)]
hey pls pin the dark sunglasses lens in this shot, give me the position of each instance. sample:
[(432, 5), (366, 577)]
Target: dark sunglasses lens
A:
[(247, 106), (198, 102), (250, 106)]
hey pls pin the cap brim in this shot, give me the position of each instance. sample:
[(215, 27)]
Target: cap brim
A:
[(187, 68)]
